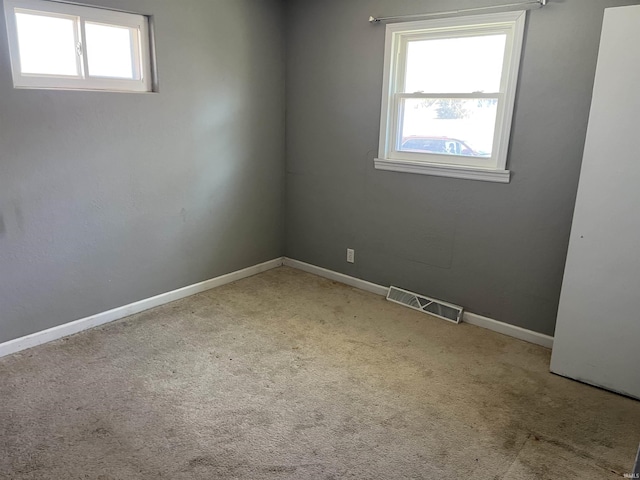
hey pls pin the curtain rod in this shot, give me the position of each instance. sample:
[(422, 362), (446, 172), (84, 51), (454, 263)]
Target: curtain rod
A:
[(526, 5)]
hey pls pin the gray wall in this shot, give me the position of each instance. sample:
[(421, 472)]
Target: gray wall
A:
[(109, 198), (498, 250)]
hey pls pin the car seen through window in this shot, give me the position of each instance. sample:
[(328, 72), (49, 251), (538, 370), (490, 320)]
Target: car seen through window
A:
[(440, 145)]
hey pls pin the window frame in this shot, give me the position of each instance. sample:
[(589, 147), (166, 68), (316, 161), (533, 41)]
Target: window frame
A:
[(398, 35), (81, 15)]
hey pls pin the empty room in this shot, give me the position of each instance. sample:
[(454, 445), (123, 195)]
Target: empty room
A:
[(319, 239)]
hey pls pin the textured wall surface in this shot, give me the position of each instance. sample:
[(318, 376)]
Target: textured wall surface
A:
[(498, 250), (109, 198)]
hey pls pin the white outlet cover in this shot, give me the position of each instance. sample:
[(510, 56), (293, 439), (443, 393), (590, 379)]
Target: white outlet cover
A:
[(351, 255)]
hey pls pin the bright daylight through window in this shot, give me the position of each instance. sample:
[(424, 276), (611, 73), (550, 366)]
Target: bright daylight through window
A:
[(58, 45), (448, 96)]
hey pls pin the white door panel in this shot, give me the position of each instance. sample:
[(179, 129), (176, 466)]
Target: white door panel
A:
[(598, 330)]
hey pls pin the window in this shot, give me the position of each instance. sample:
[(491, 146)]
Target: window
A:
[(58, 45), (448, 96)]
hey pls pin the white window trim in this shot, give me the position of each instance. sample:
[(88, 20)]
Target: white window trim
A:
[(142, 50), (511, 23)]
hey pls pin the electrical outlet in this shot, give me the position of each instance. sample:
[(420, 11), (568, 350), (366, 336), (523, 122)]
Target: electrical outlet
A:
[(351, 255)]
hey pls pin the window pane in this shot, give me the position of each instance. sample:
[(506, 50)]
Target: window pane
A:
[(455, 65), (449, 126), (109, 51), (47, 44)]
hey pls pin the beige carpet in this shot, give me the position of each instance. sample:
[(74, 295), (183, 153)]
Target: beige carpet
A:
[(289, 376)]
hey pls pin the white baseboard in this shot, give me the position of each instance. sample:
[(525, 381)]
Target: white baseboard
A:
[(61, 331), (508, 329), (470, 318), (338, 277)]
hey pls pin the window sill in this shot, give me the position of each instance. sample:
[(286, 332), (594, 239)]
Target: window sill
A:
[(453, 171)]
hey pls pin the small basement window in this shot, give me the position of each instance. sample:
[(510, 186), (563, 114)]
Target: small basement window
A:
[(61, 46), (448, 96)]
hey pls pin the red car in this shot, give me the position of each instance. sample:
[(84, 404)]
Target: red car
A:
[(439, 145)]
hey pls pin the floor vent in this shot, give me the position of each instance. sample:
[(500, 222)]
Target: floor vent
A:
[(444, 310)]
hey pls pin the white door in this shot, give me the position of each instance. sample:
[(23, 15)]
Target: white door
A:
[(597, 337)]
